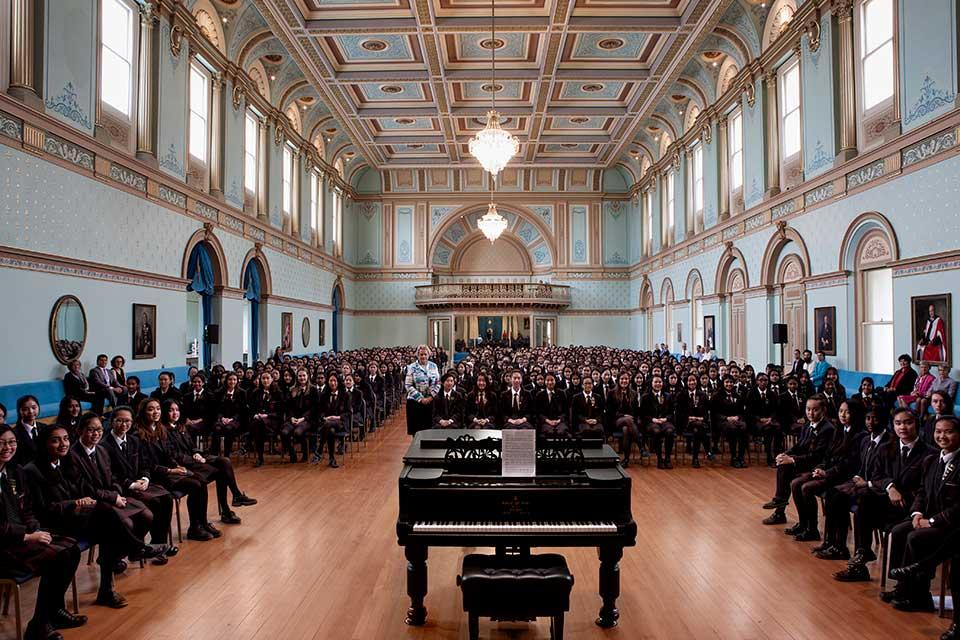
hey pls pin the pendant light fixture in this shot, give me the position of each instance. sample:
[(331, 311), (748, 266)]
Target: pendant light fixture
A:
[(492, 146)]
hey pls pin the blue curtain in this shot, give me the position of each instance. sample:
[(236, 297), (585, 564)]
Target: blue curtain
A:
[(251, 282), (336, 320), (200, 274)]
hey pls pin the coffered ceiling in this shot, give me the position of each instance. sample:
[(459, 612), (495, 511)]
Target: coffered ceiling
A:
[(586, 83)]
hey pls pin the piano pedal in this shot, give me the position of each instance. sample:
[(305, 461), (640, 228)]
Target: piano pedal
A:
[(513, 619)]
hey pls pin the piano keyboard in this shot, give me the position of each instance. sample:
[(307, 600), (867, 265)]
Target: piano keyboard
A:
[(514, 527)]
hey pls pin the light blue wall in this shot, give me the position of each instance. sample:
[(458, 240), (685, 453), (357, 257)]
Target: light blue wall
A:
[(327, 216), (70, 72), (819, 135), (680, 200), (711, 178), (656, 214), (233, 141), (172, 109), (754, 143), (634, 222), (928, 60), (579, 242), (369, 226), (615, 235), (306, 233), (274, 181), (403, 251)]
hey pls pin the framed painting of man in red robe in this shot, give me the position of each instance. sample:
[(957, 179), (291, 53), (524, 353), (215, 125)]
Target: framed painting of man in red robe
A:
[(931, 328)]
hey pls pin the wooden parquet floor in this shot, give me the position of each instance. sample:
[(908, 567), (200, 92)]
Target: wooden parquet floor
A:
[(318, 558)]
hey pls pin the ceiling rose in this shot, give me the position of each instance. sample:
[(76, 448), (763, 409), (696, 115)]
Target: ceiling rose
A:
[(592, 88), (374, 45), (610, 44), (391, 88), (404, 122), (492, 87), (579, 120), (492, 43)]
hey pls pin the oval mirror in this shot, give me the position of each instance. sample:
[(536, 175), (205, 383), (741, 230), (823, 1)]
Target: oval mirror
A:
[(68, 329), (305, 332)]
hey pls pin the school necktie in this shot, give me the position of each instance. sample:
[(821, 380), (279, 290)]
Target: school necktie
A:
[(516, 401)]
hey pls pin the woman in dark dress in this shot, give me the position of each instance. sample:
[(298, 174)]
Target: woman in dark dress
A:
[(624, 410), (230, 419), (116, 364), (25, 549), (65, 504), (165, 471), (179, 446), (481, 406), (299, 406)]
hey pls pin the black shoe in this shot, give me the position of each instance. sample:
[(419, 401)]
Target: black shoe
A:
[(333, 463), (895, 594), (111, 599), (41, 632), (229, 517), (735, 464), (659, 464), (905, 573), (853, 573), (776, 503), (148, 552), (243, 500), (303, 457), (821, 547), (212, 530), (923, 604), (119, 567), (743, 463), (63, 619), (171, 551), (200, 534), (863, 556), (258, 463), (340, 448), (696, 463), (951, 634), (777, 517), (833, 553), (795, 530), (160, 560), (667, 464), (807, 535)]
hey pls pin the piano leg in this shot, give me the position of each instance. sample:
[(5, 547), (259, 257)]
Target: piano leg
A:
[(609, 585), (416, 583)]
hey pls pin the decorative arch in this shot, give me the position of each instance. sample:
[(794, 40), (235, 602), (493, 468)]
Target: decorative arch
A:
[(646, 294), (732, 259), (791, 270), (778, 21), (208, 20), (665, 141), (293, 117), (259, 77), (694, 91), (666, 291), (338, 287), (862, 225), (775, 248), (523, 215), (728, 73), (468, 243), (690, 116), (694, 280), (218, 257), (258, 43), (266, 279)]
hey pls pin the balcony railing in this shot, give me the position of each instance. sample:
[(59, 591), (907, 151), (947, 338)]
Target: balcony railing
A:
[(492, 294)]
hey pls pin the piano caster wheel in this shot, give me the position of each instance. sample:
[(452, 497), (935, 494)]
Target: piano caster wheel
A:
[(608, 620), (416, 617)]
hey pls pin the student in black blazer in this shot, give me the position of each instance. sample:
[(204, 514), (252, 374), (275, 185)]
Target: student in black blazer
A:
[(133, 480), (481, 405), (796, 463), (763, 412), (230, 418), (198, 406), (24, 548), (299, 406), (355, 399), (516, 405), (551, 408), (693, 417), (934, 513), (265, 410), (586, 411), (165, 391), (27, 429), (622, 409), (657, 416), (93, 461), (132, 397), (894, 480), (65, 503), (729, 413), (448, 405), (333, 414)]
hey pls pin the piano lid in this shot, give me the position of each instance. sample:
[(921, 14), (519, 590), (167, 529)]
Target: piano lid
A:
[(429, 447)]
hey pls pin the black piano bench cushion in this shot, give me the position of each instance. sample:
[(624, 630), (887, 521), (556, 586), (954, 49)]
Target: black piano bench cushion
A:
[(515, 587)]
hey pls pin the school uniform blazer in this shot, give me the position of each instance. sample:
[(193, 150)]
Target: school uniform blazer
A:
[(339, 405), (232, 407), (890, 468), (763, 405), (125, 466), (938, 495), (483, 410), (301, 405), (452, 409), (194, 407), (582, 409), (554, 408), (812, 445), (507, 410), (97, 472), (869, 452), (651, 408), (843, 456), (688, 405), (76, 386), (55, 493)]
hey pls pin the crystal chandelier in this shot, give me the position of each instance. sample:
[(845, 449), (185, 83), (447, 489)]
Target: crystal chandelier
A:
[(493, 147), (492, 224)]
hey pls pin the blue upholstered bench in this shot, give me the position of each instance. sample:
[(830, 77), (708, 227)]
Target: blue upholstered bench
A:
[(49, 392)]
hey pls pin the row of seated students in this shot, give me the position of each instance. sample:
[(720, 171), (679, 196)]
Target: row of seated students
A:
[(646, 398), (110, 480)]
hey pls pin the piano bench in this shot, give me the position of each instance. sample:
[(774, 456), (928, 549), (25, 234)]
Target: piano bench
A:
[(519, 587)]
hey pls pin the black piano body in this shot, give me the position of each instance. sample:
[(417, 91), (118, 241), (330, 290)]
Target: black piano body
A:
[(580, 497)]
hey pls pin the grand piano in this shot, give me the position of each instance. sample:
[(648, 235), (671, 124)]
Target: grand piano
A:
[(452, 494)]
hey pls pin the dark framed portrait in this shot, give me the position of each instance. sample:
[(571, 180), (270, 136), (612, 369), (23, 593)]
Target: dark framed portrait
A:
[(526, 324), (825, 328), (144, 331), (709, 332), (323, 331), (305, 332), (286, 331), (931, 328), (679, 333)]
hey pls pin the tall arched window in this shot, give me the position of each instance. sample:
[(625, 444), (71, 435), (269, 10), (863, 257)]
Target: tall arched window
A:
[(338, 212), (875, 283)]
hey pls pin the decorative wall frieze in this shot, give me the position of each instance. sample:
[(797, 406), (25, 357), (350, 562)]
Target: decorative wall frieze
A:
[(947, 261), (732, 231), (754, 222), (866, 175), (11, 127), (128, 177), (275, 241), (231, 222), (14, 258), (172, 196), (60, 148), (929, 147), (206, 211), (255, 233), (783, 209), (819, 194), (827, 280)]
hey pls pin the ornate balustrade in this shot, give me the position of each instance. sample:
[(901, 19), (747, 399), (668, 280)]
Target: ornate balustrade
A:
[(492, 294)]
